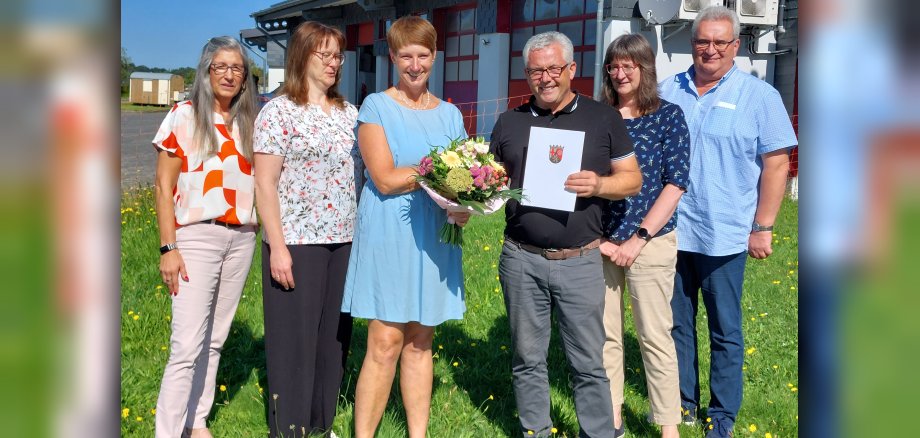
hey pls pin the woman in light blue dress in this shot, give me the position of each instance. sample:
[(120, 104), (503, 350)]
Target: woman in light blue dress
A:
[(400, 276)]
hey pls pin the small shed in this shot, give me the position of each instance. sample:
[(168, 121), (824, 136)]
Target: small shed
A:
[(156, 88)]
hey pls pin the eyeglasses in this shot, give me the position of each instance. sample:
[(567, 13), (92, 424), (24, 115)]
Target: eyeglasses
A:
[(537, 73), (220, 69), (704, 44), (626, 69), (328, 57)]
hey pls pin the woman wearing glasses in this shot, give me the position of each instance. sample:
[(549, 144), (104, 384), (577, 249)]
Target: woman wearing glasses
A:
[(401, 278), (305, 192), (642, 240), (204, 149)]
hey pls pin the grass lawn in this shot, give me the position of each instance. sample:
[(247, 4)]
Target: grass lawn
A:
[(133, 107), (472, 389)]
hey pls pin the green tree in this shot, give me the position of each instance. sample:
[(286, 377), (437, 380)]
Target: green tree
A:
[(187, 73), (127, 67), (260, 77)]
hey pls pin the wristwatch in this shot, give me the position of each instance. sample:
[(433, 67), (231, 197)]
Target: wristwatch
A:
[(643, 234), (757, 227), (167, 248)]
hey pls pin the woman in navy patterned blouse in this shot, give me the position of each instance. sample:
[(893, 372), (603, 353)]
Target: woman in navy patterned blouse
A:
[(641, 246)]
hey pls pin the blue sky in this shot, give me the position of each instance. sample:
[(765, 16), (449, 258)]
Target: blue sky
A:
[(170, 33)]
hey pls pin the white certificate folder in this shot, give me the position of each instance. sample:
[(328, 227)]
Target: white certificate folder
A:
[(552, 155)]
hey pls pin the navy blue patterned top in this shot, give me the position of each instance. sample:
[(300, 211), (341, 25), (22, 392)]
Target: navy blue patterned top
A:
[(662, 144)]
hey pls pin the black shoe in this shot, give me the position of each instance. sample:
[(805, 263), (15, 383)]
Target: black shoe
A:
[(621, 432), (719, 429)]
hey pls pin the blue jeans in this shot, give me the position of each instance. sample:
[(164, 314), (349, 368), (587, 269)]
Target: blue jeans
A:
[(719, 278), (574, 288)]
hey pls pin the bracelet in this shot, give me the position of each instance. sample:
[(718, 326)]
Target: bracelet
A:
[(757, 227)]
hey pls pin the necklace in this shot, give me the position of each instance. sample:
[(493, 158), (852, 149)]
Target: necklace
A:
[(405, 100)]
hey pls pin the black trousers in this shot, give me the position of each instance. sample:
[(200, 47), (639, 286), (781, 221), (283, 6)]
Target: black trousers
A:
[(306, 339)]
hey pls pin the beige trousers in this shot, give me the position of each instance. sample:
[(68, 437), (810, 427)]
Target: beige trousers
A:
[(650, 282), (217, 260)]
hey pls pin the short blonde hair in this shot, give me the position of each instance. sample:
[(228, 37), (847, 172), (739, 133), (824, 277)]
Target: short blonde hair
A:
[(411, 30)]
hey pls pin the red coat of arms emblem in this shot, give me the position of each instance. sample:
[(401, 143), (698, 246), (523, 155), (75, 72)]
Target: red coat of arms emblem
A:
[(555, 153)]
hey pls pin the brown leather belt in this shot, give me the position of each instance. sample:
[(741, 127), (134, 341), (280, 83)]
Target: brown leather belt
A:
[(556, 253), (223, 224)]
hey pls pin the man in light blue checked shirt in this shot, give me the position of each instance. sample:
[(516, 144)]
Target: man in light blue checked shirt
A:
[(740, 135)]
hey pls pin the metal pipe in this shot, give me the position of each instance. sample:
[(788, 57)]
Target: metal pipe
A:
[(780, 27), (599, 50), (670, 35)]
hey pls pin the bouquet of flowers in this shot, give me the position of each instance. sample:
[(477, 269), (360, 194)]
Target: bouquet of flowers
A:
[(464, 177)]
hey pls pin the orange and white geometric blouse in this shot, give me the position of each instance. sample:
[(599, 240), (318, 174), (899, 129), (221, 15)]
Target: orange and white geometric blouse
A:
[(217, 187)]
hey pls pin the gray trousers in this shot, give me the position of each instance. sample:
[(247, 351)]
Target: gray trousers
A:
[(533, 286)]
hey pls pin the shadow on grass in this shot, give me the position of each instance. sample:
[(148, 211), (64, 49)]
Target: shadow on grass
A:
[(242, 355)]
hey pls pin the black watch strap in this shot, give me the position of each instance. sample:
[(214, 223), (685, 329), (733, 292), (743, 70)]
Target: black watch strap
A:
[(167, 248)]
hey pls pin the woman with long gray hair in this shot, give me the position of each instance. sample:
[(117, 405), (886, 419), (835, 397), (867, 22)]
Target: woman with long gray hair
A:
[(207, 222)]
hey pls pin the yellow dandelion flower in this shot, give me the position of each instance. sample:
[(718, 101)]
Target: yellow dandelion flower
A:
[(775, 281), (495, 290), (789, 385), (554, 430), (768, 435), (136, 317), (440, 347), (791, 287), (710, 427), (709, 420), (159, 286), (223, 388), (751, 350), (763, 314), (494, 265), (491, 397), (793, 389), (775, 366), (153, 411), (753, 319), (770, 401), (486, 248), (125, 412), (792, 272), (529, 432), (163, 348), (124, 222), (260, 391), (456, 364), (130, 312), (752, 428), (139, 418)]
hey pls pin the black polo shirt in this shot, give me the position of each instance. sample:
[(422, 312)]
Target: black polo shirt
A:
[(606, 140)]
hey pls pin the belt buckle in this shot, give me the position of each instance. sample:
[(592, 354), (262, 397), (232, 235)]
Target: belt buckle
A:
[(545, 252)]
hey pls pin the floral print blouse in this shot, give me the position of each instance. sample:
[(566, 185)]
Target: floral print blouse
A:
[(662, 144), (316, 188), (209, 187)]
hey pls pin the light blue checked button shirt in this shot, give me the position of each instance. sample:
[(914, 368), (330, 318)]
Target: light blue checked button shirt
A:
[(731, 126)]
